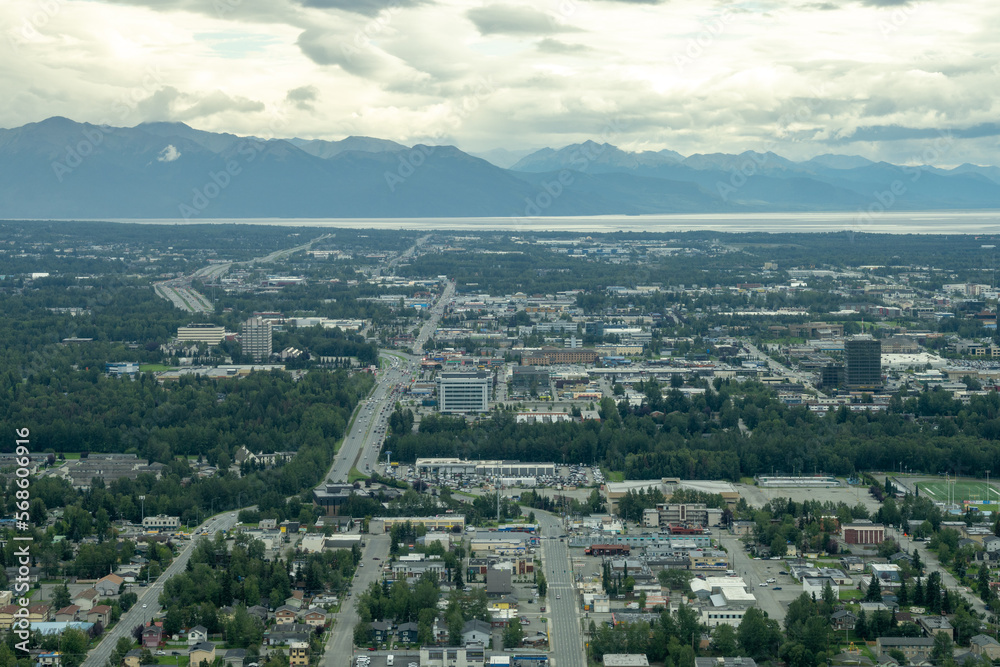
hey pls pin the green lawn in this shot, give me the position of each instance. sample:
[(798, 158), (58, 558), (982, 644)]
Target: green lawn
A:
[(613, 475), (355, 475), (939, 491), (152, 368), (851, 594)]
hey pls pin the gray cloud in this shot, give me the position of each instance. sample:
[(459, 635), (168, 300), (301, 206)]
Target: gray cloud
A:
[(303, 97), (503, 19), (353, 56), (364, 7), (901, 133), (169, 104), (555, 46)]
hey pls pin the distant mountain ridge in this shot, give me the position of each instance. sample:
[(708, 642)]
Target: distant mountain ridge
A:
[(58, 168)]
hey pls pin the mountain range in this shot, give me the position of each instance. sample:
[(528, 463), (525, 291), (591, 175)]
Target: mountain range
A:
[(58, 168)]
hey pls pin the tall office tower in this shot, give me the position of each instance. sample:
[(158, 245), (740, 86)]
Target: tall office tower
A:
[(256, 339), (864, 362)]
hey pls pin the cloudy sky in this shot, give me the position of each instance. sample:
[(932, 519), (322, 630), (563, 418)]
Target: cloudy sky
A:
[(881, 78)]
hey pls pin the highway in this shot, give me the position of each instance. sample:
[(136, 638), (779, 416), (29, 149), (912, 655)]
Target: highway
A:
[(432, 323), (562, 606), (148, 604)]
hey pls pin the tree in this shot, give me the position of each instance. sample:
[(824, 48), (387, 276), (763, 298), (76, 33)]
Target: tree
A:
[(675, 578), (61, 597), (541, 583), (513, 634), (943, 650), (758, 637), (874, 593), (724, 639), (73, 645)]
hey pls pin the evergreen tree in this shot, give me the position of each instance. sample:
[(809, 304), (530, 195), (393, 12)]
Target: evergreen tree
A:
[(874, 593), (918, 593), (903, 597)]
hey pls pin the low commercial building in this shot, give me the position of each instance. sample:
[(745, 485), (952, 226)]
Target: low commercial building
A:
[(161, 522), (863, 533)]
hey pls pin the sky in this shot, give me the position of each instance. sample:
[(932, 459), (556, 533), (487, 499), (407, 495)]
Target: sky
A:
[(905, 82)]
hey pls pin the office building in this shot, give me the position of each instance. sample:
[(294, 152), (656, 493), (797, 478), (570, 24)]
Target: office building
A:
[(201, 333), (460, 393), (864, 362), (256, 339)]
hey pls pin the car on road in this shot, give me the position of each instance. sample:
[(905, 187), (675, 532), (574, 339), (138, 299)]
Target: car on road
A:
[(558, 597), (776, 588), (144, 605), (161, 652), (763, 583)]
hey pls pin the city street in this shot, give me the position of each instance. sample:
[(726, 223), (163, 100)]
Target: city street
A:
[(148, 604), (340, 645), (562, 606)]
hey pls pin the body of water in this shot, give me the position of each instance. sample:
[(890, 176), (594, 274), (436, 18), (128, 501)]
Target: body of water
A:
[(913, 222)]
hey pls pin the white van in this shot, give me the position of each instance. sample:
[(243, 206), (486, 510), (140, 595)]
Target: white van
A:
[(389, 659)]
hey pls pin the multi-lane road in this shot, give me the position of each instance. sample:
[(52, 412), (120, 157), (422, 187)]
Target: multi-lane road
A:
[(340, 645), (562, 606), (148, 604)]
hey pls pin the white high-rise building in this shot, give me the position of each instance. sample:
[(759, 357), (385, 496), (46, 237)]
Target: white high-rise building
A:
[(256, 339), (464, 392)]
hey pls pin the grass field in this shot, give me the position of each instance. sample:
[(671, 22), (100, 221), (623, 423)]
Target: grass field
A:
[(958, 491), (152, 368)]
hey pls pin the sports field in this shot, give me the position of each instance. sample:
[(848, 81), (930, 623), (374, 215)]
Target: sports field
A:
[(958, 491)]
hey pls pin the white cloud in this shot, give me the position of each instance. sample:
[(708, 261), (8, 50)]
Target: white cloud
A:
[(168, 154)]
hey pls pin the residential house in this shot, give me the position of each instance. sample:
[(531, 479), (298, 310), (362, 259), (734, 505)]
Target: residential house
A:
[(202, 653), (287, 633), (985, 645), (7, 616), (916, 649), (132, 658), (476, 632), (294, 600), (197, 635), (49, 659), (934, 625), (286, 614), (152, 635), (258, 612), (39, 613), (109, 584), (86, 599), (408, 633), (298, 654), (234, 657), (68, 613), (991, 544), (381, 631), (843, 620), (315, 617), (100, 614)]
